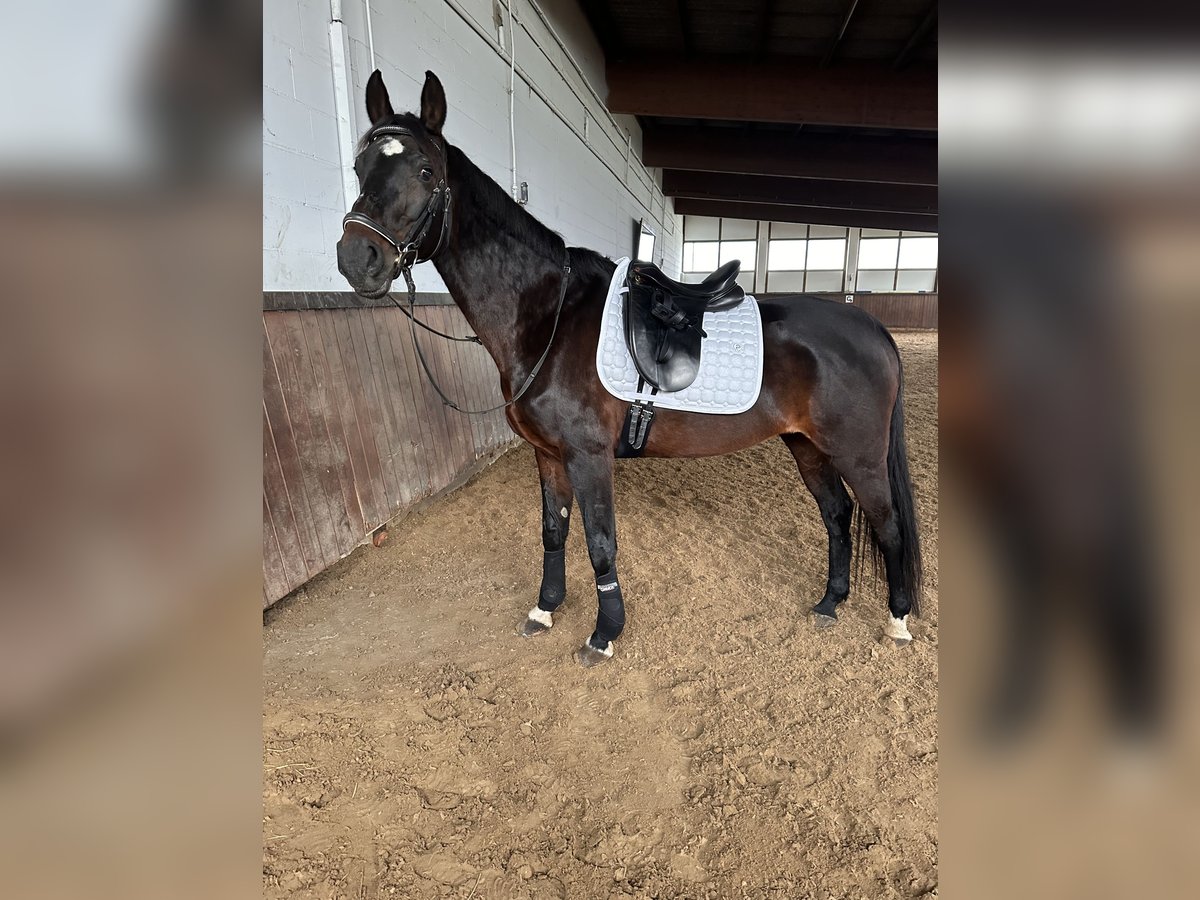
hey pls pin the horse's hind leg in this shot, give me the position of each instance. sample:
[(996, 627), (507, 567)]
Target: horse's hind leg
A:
[(823, 481), (873, 491), (557, 497)]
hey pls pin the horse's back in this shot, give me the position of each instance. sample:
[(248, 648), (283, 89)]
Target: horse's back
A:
[(829, 329)]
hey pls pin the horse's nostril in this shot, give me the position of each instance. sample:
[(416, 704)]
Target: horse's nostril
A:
[(374, 259), (359, 259)]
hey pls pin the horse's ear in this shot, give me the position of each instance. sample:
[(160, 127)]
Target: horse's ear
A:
[(433, 104), (378, 104)]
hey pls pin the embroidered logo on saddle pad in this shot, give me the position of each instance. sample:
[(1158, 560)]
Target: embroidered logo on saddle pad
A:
[(731, 360)]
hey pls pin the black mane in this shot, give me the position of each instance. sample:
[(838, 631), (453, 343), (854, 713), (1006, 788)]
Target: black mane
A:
[(491, 203)]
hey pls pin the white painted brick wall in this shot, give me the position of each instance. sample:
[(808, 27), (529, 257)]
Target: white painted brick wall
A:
[(585, 191)]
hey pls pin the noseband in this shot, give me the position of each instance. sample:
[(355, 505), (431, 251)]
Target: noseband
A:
[(408, 251)]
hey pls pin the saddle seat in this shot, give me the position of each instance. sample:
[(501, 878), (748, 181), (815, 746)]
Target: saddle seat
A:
[(664, 320)]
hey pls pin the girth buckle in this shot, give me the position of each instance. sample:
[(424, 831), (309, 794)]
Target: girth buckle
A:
[(641, 414)]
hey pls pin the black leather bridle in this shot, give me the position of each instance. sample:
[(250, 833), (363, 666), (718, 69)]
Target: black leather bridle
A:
[(408, 254)]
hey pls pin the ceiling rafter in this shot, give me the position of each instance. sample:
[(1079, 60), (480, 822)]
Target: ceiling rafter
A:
[(763, 212), (763, 41), (841, 157), (818, 192), (918, 35), (859, 94), (599, 13), (840, 33), (684, 15)]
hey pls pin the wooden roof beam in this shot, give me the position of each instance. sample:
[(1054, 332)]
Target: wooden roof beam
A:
[(899, 160), (769, 189), (792, 91), (853, 218)]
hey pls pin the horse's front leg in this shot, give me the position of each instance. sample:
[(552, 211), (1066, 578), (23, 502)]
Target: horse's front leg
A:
[(557, 497), (591, 475)]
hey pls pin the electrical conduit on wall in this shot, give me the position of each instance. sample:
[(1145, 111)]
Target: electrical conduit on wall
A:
[(512, 113), (339, 55)]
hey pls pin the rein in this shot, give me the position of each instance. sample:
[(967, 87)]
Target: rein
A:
[(409, 255), (537, 367)]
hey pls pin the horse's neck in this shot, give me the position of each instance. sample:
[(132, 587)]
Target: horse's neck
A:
[(496, 279)]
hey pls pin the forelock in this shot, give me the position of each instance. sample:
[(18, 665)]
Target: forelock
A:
[(407, 121)]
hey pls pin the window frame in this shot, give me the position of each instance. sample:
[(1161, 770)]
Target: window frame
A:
[(748, 266), (806, 271), (900, 236)]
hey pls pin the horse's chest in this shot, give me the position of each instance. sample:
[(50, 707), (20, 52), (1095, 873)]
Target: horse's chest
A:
[(522, 425), (541, 428)]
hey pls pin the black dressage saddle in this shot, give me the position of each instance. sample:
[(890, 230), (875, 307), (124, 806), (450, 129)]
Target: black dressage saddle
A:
[(664, 321)]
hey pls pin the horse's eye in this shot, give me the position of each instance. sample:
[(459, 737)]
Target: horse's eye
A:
[(426, 173)]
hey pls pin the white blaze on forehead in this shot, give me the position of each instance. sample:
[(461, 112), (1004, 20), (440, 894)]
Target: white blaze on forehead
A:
[(391, 147)]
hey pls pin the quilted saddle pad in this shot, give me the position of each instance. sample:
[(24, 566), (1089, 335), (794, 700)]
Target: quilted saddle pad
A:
[(731, 362)]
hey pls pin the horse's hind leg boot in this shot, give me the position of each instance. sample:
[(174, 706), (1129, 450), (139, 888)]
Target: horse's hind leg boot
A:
[(554, 580)]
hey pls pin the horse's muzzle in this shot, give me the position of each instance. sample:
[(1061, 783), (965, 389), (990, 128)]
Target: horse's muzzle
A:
[(364, 265)]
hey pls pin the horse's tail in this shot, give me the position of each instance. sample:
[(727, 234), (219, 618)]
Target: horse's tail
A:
[(903, 506)]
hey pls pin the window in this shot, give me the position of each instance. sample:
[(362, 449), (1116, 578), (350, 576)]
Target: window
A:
[(805, 258), (811, 258), (709, 243), (918, 253), (897, 261), (786, 256), (877, 253), (643, 241), (700, 256), (824, 255), (745, 251)]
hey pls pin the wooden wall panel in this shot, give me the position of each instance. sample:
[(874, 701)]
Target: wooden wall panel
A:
[(278, 420), (318, 457), (919, 311), (352, 433), (420, 431), (418, 450), (901, 310), (397, 425)]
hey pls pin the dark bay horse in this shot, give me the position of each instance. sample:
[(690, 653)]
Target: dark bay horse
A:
[(831, 388)]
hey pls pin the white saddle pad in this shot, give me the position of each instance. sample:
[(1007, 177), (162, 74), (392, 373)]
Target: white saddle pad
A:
[(731, 365)]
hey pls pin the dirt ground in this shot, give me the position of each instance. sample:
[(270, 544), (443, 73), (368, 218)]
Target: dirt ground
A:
[(415, 746)]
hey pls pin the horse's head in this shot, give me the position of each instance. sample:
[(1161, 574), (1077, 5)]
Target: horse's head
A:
[(402, 214)]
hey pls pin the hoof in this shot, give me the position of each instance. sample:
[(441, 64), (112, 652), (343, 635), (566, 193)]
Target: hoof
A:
[(589, 657), (538, 622), (897, 630), (532, 628), (820, 620)]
